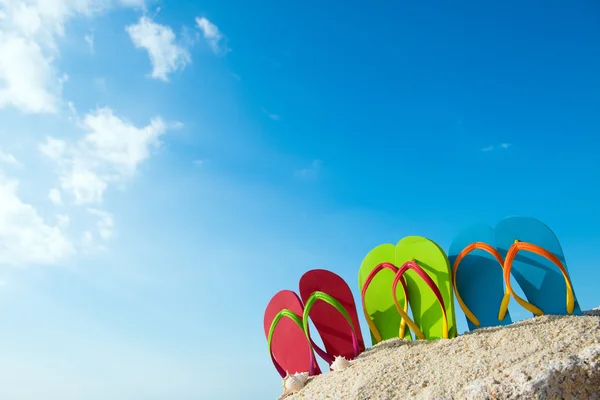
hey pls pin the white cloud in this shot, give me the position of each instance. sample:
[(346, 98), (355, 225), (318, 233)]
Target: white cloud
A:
[(309, 173), (274, 117), (86, 186), (27, 79), (63, 220), (55, 196), (105, 223), (53, 148), (89, 39), (212, 35), (25, 238), (29, 29), (490, 148), (9, 159), (158, 40), (28, 32), (110, 152), (118, 142), (87, 241)]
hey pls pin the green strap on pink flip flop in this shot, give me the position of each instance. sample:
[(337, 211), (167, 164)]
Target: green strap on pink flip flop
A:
[(316, 296), (298, 321)]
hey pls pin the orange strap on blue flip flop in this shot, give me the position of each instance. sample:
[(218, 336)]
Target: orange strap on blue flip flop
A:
[(491, 250), (532, 248)]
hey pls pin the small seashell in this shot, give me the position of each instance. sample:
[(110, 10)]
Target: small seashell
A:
[(303, 376), (339, 364), (293, 383)]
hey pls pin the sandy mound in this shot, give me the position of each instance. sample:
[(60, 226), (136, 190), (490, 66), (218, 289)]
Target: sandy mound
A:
[(547, 357)]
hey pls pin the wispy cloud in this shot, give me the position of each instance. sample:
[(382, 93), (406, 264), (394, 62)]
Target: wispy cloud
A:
[(89, 39), (212, 34), (503, 146), (9, 159), (311, 172), (105, 223), (274, 117), (166, 55)]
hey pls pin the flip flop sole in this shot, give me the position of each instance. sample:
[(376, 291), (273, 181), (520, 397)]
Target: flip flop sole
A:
[(379, 301), (479, 278), (540, 280), (427, 312), (289, 345), (332, 326)]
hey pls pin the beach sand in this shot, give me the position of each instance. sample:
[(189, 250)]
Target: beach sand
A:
[(548, 357)]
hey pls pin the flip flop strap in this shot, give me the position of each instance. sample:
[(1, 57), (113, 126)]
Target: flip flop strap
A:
[(370, 322), (427, 279), (532, 248), (411, 324), (285, 313), (485, 247), (340, 308)]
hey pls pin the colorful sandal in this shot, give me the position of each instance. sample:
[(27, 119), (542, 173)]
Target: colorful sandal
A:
[(428, 316), (412, 265), (542, 276), (290, 346), (479, 282), (335, 316), (378, 303), (401, 310)]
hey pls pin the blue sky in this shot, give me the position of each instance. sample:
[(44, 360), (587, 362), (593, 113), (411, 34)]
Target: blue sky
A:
[(165, 168)]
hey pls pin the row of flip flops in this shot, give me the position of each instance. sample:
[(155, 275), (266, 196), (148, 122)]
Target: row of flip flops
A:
[(417, 274)]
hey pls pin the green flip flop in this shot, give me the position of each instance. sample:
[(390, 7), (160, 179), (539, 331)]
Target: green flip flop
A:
[(426, 310), (378, 301)]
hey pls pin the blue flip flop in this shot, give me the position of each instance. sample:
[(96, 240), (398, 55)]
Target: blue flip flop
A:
[(477, 277), (538, 275)]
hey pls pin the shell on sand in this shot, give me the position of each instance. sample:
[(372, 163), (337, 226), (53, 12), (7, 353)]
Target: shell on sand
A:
[(293, 383), (339, 364)]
